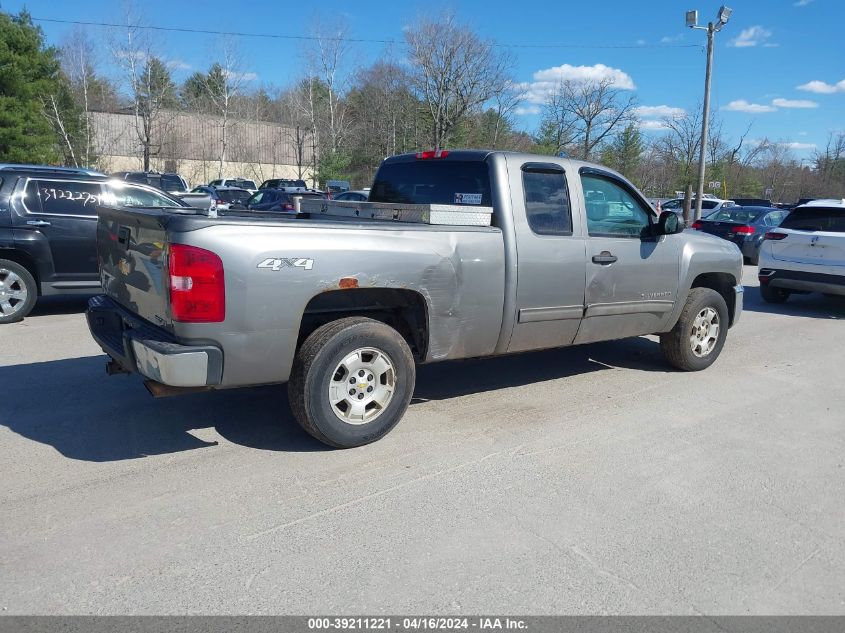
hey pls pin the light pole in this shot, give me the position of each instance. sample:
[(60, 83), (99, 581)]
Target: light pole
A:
[(712, 28)]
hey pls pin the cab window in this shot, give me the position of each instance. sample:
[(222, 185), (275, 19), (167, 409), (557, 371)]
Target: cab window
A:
[(611, 210)]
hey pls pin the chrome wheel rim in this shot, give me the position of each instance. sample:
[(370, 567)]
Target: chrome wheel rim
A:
[(362, 385), (705, 332), (13, 293)]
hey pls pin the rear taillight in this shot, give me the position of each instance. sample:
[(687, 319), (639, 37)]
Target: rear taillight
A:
[(197, 286), (219, 201), (288, 207), (774, 235), (438, 153), (743, 230), (697, 225)]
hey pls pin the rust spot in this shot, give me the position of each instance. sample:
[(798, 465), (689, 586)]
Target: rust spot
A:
[(347, 282)]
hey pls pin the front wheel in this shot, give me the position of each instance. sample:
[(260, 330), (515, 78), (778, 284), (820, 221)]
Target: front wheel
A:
[(351, 382), (699, 335), (18, 291)]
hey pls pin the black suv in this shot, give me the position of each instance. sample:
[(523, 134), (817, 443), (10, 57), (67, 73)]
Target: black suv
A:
[(171, 183), (48, 222)]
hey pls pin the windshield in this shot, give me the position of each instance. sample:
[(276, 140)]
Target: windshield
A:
[(127, 195), (233, 196), (433, 182), (735, 214)]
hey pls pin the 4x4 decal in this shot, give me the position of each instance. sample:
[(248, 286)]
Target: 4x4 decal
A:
[(277, 263)]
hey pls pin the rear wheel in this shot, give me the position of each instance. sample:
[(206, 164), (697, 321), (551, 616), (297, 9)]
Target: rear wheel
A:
[(699, 335), (773, 295), (18, 291), (351, 382)]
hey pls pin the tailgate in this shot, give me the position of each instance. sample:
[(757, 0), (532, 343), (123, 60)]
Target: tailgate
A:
[(810, 247), (132, 254)]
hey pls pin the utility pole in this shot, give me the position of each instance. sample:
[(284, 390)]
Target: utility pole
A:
[(705, 121), (712, 28)]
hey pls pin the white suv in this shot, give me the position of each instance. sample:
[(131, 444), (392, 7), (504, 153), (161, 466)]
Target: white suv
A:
[(806, 253), (708, 205)]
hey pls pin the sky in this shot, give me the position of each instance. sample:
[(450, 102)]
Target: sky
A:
[(779, 65)]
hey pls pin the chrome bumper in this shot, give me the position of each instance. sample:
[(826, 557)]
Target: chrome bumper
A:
[(138, 346)]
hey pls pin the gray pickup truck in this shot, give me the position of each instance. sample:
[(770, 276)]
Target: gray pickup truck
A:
[(341, 308)]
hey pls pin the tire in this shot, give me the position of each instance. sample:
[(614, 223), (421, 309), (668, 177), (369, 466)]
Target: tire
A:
[(678, 345), (18, 291), (774, 295), (362, 356)]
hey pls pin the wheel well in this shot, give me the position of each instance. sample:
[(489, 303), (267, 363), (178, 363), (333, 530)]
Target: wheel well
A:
[(24, 260), (403, 310), (723, 283)]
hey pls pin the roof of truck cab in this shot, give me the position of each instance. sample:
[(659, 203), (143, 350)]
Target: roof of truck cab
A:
[(483, 154)]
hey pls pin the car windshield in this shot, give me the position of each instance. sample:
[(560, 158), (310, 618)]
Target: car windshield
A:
[(277, 183), (735, 214), (433, 182), (816, 219), (172, 183), (127, 195)]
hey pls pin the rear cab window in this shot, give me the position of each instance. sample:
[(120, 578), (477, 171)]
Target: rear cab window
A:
[(172, 183), (830, 220), (465, 183), (547, 207)]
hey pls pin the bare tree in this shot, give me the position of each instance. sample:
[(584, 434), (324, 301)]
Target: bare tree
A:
[(328, 59), (148, 84), (57, 116), (223, 85), (78, 56), (682, 142), (590, 111), (453, 72)]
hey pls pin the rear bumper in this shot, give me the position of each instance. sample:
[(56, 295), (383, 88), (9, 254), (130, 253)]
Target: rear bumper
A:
[(802, 281), (141, 347)]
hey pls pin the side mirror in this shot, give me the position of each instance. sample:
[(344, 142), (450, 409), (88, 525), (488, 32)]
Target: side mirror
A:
[(669, 223)]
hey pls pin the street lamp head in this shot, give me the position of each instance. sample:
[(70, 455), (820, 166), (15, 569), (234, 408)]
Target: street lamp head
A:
[(692, 19), (724, 14)]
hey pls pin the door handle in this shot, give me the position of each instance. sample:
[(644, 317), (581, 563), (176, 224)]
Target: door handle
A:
[(604, 258), (37, 223)]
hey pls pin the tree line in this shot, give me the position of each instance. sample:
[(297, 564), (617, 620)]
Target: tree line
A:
[(449, 87)]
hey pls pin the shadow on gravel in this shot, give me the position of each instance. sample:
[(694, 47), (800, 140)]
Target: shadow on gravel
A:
[(68, 304), (74, 407), (813, 305), (457, 378)]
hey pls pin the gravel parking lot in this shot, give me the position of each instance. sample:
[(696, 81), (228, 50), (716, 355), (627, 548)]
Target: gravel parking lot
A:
[(585, 480)]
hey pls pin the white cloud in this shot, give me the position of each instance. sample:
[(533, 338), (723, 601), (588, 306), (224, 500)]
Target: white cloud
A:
[(178, 64), (794, 103), (669, 39), (822, 88), (652, 124), (546, 81), (529, 109), (741, 105), (646, 112), (802, 134), (240, 76), (752, 36), (798, 146), (640, 42), (801, 3)]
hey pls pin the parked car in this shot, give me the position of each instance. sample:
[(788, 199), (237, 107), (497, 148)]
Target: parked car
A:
[(239, 183), (355, 196), (708, 205), (753, 202), (334, 187), (806, 253), (48, 221), (342, 308), (225, 197), (278, 183), (744, 226), (277, 199), (171, 183)]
